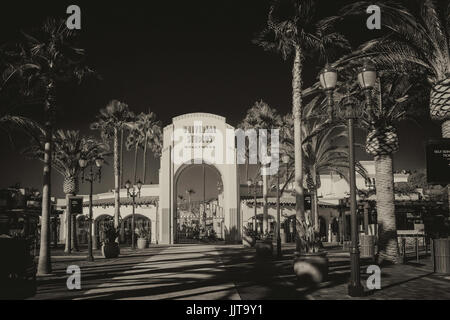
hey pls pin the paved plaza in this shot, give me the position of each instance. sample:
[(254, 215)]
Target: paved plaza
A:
[(229, 272)]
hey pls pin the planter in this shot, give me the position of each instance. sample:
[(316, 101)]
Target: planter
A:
[(142, 243), (110, 250), (248, 241), (440, 255), (311, 268), (264, 248)]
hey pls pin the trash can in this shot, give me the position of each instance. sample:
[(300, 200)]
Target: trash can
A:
[(367, 244), (441, 255)]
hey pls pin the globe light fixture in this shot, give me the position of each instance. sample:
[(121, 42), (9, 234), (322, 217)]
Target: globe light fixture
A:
[(99, 162), (128, 184), (328, 78), (139, 184), (367, 76), (285, 158), (83, 163)]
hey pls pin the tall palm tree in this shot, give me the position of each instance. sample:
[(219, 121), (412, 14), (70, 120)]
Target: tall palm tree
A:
[(262, 117), (155, 142), (45, 59), (109, 122), (419, 41), (134, 141), (149, 132), (294, 29), (69, 147)]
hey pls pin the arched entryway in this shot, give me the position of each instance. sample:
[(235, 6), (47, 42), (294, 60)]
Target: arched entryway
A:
[(142, 225), (192, 139), (199, 204)]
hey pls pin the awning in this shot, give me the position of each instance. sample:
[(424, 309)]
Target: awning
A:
[(147, 200)]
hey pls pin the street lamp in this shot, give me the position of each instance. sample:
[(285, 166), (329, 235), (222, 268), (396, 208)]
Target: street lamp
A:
[(92, 176), (328, 80), (133, 194), (366, 78)]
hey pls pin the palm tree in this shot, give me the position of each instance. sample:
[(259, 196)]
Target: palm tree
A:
[(262, 117), (419, 41), (44, 60), (190, 192), (155, 142), (69, 147), (149, 134), (134, 141), (398, 98), (109, 122), (294, 29)]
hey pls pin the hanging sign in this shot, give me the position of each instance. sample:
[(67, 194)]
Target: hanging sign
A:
[(438, 161), (76, 205)]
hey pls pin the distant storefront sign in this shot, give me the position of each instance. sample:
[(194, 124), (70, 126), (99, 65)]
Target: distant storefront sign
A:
[(438, 161), (76, 205)]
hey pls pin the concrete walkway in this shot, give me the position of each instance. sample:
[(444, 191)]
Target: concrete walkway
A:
[(212, 272), (176, 272)]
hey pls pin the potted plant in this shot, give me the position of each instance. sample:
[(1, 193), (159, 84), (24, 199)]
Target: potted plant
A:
[(264, 245), (249, 237), (143, 236), (110, 247), (311, 265)]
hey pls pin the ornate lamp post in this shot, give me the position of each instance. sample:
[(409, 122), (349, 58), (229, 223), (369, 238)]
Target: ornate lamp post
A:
[(255, 186), (92, 176), (367, 78), (133, 194)]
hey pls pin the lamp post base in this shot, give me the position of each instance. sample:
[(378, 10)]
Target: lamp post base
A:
[(355, 290), (90, 258)]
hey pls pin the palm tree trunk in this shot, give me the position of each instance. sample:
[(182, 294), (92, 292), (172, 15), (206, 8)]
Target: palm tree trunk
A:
[(315, 207), (446, 134), (387, 242), (145, 159), (297, 113), (121, 157), (44, 264), (116, 180), (265, 199), (315, 200), (68, 226), (135, 162)]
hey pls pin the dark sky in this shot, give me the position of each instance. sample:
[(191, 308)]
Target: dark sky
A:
[(173, 57)]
